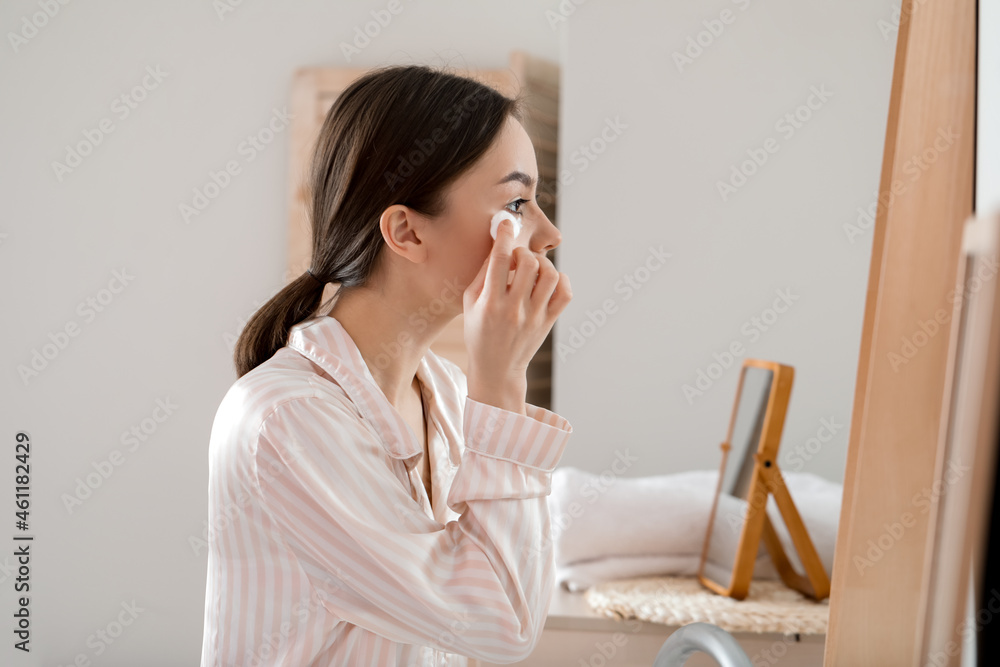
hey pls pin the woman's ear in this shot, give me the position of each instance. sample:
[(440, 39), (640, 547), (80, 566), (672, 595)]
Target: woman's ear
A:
[(403, 231)]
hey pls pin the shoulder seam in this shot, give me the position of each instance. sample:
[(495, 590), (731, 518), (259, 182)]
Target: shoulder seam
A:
[(282, 402)]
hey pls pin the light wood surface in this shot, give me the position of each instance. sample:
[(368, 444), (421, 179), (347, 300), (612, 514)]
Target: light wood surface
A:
[(574, 633), (891, 457)]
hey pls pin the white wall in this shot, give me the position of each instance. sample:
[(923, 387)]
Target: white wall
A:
[(162, 337), (684, 128)]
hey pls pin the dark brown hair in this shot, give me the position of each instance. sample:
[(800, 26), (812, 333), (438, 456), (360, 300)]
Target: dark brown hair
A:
[(397, 135)]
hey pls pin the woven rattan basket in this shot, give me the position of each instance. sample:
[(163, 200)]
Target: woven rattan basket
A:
[(770, 607)]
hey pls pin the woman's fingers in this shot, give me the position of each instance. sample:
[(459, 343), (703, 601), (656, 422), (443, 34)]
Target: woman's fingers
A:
[(504, 326), (537, 286), (492, 265), (542, 289), (500, 258), (524, 274), (561, 297), (548, 279)]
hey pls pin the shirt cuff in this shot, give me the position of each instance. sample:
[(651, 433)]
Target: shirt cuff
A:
[(536, 440)]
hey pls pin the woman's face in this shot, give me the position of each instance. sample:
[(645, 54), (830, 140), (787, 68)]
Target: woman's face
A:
[(432, 258), (505, 177)]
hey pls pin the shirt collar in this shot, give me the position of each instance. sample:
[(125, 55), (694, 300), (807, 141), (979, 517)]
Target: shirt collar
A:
[(324, 340)]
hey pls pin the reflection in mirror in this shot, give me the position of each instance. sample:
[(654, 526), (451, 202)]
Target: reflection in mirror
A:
[(744, 439), (746, 429)]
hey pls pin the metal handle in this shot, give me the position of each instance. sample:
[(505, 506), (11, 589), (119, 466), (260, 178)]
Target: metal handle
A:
[(704, 637)]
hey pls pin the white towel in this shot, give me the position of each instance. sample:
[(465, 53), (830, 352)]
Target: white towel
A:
[(610, 527), (581, 576)]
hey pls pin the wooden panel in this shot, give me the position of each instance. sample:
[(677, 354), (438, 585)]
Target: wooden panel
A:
[(538, 81), (626, 648), (313, 92), (928, 165)]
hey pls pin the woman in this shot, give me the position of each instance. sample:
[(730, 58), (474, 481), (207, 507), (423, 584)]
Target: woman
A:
[(369, 503)]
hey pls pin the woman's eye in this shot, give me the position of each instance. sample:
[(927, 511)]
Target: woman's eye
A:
[(516, 203)]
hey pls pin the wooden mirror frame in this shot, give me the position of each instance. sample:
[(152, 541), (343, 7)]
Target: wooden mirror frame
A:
[(894, 426), (766, 480)]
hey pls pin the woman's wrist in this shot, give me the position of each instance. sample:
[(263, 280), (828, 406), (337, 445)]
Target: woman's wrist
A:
[(508, 395)]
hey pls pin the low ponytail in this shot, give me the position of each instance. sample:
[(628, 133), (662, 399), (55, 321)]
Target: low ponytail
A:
[(397, 135), (267, 330)]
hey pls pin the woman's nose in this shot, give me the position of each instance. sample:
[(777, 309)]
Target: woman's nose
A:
[(545, 236)]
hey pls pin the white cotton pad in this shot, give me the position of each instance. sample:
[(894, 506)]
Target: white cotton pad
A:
[(500, 215)]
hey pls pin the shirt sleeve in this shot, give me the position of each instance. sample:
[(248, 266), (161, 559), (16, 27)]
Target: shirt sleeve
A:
[(479, 586)]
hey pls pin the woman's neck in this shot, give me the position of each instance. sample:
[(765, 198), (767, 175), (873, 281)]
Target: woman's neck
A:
[(389, 335)]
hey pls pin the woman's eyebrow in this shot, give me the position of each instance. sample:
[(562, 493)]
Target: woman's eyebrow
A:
[(518, 176)]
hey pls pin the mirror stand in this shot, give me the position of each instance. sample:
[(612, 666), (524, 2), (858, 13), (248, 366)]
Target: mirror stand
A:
[(815, 583), (748, 476)]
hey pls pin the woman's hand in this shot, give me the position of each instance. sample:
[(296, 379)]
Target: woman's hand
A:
[(506, 324)]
